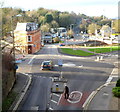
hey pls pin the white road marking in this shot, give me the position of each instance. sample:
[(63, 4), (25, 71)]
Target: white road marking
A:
[(56, 94), (80, 66), (35, 108), (50, 108), (69, 64), (59, 99), (88, 99), (54, 101), (78, 99), (109, 79), (31, 59)]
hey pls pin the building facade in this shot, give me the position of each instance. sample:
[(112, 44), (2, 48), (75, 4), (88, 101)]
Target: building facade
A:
[(105, 31), (27, 38)]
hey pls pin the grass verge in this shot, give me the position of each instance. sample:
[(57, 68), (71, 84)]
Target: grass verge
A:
[(8, 101), (75, 52), (105, 49)]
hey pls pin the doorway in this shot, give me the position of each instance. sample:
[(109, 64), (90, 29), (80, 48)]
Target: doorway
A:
[(29, 49)]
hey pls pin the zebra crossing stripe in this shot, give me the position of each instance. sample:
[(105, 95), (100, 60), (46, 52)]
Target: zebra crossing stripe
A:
[(50, 108), (54, 101), (56, 94)]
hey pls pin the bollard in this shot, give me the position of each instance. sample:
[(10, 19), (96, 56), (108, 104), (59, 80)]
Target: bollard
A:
[(57, 87), (101, 58), (97, 58)]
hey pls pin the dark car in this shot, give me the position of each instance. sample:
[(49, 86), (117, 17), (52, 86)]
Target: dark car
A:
[(62, 44), (47, 65)]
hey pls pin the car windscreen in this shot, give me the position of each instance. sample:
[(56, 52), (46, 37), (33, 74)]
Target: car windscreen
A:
[(46, 63)]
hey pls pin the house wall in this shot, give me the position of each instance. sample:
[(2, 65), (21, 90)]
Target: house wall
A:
[(21, 40), (36, 40)]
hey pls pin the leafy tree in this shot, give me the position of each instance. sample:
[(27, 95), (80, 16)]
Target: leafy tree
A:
[(48, 18), (55, 15), (116, 25), (42, 11), (45, 27), (82, 27), (41, 20), (56, 39), (54, 24), (92, 27), (70, 33), (65, 20), (118, 83)]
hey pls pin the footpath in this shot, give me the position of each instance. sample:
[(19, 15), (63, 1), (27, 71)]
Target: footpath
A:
[(19, 86), (103, 98)]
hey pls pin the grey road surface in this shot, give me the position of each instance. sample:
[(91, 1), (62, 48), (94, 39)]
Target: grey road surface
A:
[(84, 75)]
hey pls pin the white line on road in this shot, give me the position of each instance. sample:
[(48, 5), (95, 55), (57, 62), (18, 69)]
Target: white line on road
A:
[(56, 94), (88, 99), (31, 59), (109, 79), (71, 94), (59, 99), (50, 108), (54, 101), (91, 96)]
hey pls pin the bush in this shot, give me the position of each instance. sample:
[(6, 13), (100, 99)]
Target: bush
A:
[(8, 101), (116, 91), (118, 83), (56, 39)]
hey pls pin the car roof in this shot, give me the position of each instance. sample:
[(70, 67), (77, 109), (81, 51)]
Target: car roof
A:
[(46, 61)]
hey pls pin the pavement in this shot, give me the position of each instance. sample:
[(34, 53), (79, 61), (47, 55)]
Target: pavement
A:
[(19, 86), (103, 98), (100, 99)]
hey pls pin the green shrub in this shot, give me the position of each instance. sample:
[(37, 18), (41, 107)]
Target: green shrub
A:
[(56, 39), (8, 101), (116, 91), (118, 83)]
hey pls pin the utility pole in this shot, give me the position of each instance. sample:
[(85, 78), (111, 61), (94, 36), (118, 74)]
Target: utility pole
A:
[(111, 34), (13, 49)]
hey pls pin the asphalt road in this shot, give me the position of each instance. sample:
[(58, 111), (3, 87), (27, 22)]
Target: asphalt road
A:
[(83, 75)]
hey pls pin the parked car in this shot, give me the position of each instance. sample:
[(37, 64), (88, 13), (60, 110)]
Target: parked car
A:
[(47, 65), (61, 44)]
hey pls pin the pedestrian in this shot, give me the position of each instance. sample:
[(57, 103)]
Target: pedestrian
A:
[(66, 92)]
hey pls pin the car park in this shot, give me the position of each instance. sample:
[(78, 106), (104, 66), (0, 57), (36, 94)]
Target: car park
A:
[(47, 65)]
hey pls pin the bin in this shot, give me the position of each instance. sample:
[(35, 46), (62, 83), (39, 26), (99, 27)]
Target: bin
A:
[(57, 87)]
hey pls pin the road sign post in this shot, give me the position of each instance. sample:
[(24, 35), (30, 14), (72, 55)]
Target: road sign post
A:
[(60, 64)]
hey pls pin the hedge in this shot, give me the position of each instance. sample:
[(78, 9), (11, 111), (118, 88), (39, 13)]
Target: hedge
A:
[(116, 91), (118, 83)]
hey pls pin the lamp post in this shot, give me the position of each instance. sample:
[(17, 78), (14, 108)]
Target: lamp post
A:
[(111, 34), (13, 49), (95, 39)]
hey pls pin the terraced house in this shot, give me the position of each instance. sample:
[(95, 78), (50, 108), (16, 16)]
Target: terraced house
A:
[(27, 38)]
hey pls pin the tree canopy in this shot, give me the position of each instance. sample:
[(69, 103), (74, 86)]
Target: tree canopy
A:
[(54, 18)]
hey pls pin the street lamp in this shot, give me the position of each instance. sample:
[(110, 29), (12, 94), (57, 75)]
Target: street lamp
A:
[(13, 49), (111, 34)]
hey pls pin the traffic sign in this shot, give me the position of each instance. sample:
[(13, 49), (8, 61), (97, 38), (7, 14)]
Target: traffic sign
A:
[(16, 67), (60, 62)]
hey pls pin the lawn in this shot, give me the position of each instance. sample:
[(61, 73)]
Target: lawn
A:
[(105, 49), (75, 52)]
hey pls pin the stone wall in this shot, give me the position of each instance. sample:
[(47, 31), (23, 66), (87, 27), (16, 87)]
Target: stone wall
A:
[(8, 74)]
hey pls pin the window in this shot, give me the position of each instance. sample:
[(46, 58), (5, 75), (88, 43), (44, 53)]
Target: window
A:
[(29, 38)]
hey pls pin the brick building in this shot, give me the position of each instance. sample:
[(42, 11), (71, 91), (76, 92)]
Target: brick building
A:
[(27, 38)]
